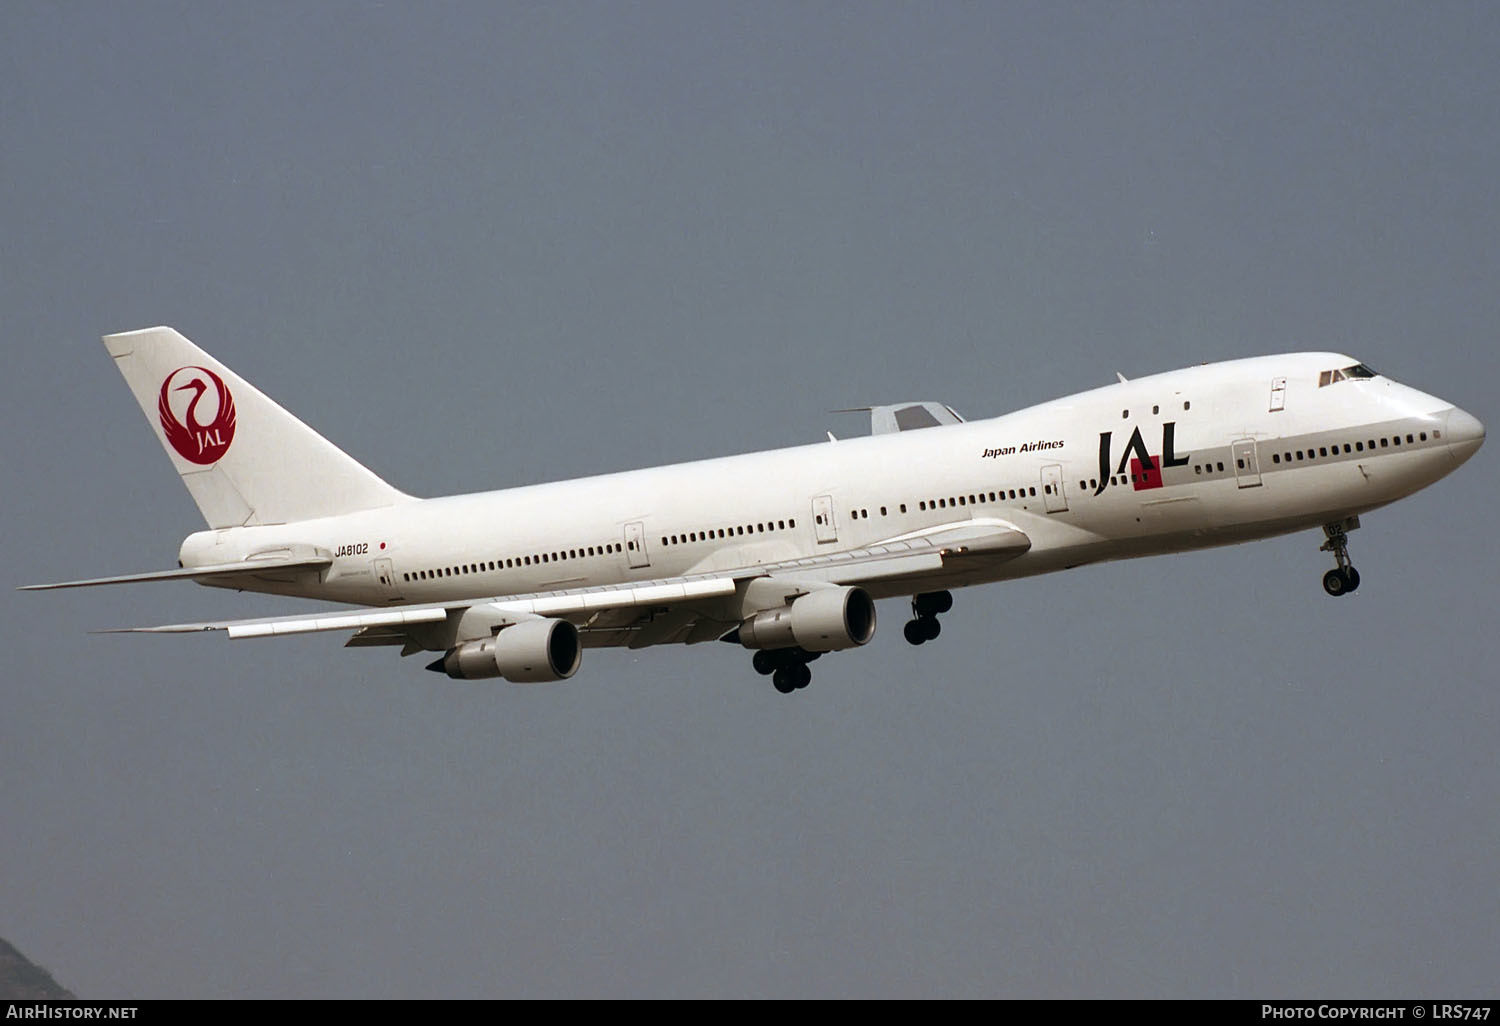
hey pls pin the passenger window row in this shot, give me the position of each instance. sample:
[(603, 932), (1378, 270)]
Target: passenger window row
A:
[(861, 513), (495, 565), (973, 499), (1325, 451), (728, 532), (1187, 404)]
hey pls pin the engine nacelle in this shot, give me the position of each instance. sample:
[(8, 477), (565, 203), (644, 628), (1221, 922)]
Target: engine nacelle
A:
[(825, 620), (524, 653)]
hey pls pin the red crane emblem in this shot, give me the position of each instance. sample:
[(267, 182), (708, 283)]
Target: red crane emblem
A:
[(194, 440)]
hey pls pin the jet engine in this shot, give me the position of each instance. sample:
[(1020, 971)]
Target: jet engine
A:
[(824, 620), (525, 653)]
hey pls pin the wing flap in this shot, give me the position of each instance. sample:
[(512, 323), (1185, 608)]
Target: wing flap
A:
[(376, 637), (656, 593)]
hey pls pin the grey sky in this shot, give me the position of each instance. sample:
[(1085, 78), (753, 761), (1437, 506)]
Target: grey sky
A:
[(486, 244)]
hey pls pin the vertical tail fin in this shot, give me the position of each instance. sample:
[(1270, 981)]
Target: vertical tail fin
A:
[(244, 459)]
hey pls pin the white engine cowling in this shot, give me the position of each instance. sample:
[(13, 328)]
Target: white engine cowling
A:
[(825, 620), (524, 653)]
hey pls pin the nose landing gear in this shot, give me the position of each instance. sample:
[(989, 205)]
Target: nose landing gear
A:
[(924, 626), (1344, 578)]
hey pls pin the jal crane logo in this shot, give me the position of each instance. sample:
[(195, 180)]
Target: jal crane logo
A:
[(195, 439)]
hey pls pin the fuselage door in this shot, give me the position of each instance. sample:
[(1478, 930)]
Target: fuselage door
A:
[(385, 576), (1278, 394), (1246, 469), (1052, 488), (635, 544), (823, 519)]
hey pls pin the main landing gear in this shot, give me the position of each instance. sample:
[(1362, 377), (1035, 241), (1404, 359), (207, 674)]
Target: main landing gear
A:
[(787, 667), (1343, 578), (924, 626)]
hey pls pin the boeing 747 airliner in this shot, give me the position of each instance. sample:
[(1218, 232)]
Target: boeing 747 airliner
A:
[(781, 552)]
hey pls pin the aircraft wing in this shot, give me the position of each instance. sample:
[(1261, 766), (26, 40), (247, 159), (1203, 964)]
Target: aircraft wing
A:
[(691, 608)]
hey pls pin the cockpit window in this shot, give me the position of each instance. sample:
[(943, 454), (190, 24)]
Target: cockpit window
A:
[(1359, 370)]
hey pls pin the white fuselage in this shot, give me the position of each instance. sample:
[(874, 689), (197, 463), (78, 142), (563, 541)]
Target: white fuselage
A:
[(1236, 450)]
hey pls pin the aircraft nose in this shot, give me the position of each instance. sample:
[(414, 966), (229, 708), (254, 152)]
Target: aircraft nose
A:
[(1465, 434)]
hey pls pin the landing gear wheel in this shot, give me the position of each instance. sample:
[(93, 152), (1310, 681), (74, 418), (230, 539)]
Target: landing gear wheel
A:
[(784, 682), (1335, 583), (931, 627), (915, 631), (801, 676), (1344, 578), (764, 663)]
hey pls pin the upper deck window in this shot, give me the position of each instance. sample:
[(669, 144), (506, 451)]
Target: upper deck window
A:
[(1359, 370)]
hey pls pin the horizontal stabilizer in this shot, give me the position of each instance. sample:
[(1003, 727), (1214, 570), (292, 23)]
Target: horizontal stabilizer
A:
[(252, 567)]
